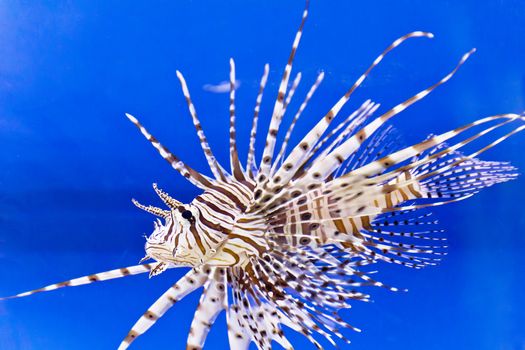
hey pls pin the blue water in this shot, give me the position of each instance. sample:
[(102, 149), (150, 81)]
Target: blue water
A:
[(70, 161)]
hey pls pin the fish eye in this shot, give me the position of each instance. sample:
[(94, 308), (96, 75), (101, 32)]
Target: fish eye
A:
[(186, 214)]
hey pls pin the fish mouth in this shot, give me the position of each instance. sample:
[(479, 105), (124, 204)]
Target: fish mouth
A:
[(163, 254), (159, 253)]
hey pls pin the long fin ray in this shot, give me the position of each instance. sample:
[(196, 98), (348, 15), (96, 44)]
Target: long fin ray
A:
[(297, 157), (250, 161), (212, 302), (279, 102), (196, 178), (188, 283), (101, 276), (295, 119), (235, 164), (352, 183), (326, 165), (215, 167)]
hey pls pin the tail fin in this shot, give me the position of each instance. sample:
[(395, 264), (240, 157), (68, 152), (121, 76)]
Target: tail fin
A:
[(454, 175)]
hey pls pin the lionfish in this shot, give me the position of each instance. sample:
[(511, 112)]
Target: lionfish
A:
[(288, 240)]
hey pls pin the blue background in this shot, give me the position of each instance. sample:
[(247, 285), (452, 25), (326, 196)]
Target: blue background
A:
[(70, 161)]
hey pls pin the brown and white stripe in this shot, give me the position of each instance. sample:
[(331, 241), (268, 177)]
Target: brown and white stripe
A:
[(286, 243), (215, 167)]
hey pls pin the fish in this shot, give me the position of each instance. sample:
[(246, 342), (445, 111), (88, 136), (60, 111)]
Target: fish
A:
[(290, 240), (221, 88)]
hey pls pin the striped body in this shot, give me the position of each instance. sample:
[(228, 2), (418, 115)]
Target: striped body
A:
[(290, 240), (219, 232)]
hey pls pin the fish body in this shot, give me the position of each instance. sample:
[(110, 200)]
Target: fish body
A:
[(290, 239)]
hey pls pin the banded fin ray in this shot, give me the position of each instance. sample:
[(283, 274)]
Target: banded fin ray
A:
[(300, 319), (292, 240), (212, 302), (298, 156), (346, 130), (194, 279), (290, 93), (275, 122), (250, 161), (287, 101), (377, 167), (326, 165), (235, 164), (295, 119), (342, 210), (367, 175), (193, 176), (88, 279), (215, 167), (383, 142), (238, 338)]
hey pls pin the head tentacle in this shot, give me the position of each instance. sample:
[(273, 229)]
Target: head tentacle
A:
[(151, 209), (171, 202)]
